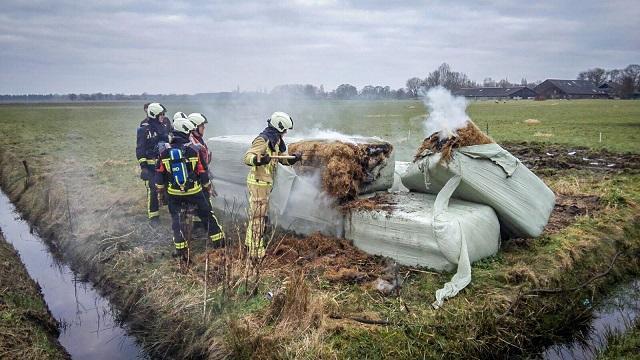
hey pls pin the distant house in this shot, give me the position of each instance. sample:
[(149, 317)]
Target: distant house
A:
[(569, 89), (486, 93)]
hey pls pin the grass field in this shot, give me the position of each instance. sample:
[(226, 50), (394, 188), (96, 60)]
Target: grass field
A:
[(576, 123), (84, 189)]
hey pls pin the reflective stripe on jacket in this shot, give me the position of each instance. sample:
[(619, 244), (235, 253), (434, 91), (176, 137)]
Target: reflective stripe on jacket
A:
[(150, 133), (259, 175)]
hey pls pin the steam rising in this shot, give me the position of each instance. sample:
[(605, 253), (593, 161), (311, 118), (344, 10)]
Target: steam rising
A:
[(329, 134), (446, 112), (315, 209)]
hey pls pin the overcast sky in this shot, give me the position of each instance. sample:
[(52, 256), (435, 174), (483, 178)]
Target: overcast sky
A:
[(125, 46)]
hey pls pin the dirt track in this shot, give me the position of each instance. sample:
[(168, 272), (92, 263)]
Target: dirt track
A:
[(538, 156)]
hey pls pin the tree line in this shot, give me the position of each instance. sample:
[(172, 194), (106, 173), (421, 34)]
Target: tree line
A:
[(623, 82)]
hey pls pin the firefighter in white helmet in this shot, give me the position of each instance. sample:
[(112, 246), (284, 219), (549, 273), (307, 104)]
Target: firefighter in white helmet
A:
[(260, 179), (199, 121), (179, 115), (181, 173), (151, 134)]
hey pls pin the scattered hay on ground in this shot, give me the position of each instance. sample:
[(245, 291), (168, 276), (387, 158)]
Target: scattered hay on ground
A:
[(379, 201), (466, 136), (335, 259), (344, 167)]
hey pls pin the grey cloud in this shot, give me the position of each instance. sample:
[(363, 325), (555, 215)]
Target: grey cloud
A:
[(187, 47)]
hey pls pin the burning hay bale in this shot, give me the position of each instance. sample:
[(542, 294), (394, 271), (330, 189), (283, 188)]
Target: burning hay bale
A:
[(466, 136), (347, 169), (458, 155)]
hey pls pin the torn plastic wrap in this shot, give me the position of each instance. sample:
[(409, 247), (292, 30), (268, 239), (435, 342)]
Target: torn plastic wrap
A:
[(489, 175), (425, 230)]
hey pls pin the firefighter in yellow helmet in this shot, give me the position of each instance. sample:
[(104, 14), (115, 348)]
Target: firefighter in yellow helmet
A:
[(260, 179)]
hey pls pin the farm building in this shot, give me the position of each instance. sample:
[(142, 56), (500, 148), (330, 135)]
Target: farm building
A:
[(612, 89), (486, 93), (569, 89)]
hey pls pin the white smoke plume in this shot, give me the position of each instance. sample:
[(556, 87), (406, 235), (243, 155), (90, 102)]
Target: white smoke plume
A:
[(447, 113), (330, 134)]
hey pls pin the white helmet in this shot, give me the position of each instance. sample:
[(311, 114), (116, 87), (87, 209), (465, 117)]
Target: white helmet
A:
[(198, 119), (179, 115), (183, 125), (155, 109), (280, 121)]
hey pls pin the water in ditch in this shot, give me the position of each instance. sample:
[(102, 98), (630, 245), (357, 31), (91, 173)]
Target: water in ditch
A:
[(89, 328), (616, 314)]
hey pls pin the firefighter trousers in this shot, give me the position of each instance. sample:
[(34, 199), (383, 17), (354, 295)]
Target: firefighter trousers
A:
[(207, 195), (152, 193), (204, 212), (258, 209)]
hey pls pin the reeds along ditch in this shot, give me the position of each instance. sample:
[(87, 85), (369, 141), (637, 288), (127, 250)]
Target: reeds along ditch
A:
[(345, 168), (466, 136)]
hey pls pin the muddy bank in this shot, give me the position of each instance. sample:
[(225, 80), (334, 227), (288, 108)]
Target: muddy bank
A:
[(27, 328), (539, 157)]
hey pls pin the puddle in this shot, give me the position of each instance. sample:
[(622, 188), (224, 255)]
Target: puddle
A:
[(89, 329), (617, 314)]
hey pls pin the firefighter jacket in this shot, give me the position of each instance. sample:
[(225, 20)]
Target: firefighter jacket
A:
[(195, 174), (205, 154), (150, 133), (268, 142)]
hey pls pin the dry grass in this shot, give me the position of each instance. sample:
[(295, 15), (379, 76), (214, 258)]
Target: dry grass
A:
[(291, 326)]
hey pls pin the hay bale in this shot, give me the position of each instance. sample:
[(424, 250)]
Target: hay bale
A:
[(466, 136), (532, 121), (347, 169)]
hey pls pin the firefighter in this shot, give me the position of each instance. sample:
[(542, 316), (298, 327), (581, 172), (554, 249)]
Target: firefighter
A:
[(260, 179), (197, 137), (151, 134), (181, 172)]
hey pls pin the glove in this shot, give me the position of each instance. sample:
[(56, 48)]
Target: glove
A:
[(297, 157), (145, 173), (263, 160), (162, 197)]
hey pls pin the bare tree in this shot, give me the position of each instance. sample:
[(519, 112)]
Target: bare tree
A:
[(445, 77), (413, 85), (489, 82), (596, 75)]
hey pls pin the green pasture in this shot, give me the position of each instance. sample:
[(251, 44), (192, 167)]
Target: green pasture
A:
[(110, 127)]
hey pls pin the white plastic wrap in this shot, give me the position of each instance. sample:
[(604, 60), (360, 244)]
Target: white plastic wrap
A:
[(489, 175), (425, 231)]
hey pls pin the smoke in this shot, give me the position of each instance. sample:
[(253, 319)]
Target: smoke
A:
[(330, 134), (302, 206), (446, 112)]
